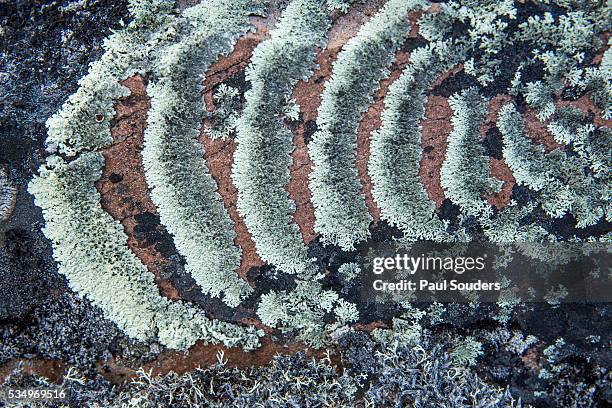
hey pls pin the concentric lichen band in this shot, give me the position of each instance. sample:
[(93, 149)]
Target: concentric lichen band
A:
[(89, 246), (341, 216), (396, 148), (464, 175), (263, 156), (559, 177), (181, 187), (127, 52), (91, 250)]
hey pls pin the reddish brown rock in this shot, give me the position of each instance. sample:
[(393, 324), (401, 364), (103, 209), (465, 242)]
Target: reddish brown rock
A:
[(532, 360), (219, 157), (537, 130), (586, 105), (202, 355), (308, 96), (493, 108), (52, 369), (371, 326), (500, 170), (436, 126), (298, 186), (123, 186), (219, 153)]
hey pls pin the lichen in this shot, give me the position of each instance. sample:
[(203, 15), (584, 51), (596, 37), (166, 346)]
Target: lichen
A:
[(173, 49), (91, 251), (8, 196), (341, 216), (396, 148), (263, 156), (465, 172), (181, 187)]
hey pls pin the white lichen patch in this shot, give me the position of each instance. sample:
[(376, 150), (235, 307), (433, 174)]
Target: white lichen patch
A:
[(8, 196)]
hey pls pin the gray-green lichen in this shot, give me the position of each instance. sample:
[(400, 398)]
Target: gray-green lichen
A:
[(89, 246), (91, 250), (560, 179), (304, 308), (341, 216), (465, 171), (8, 196), (174, 49), (396, 148), (181, 187), (228, 108), (263, 156)]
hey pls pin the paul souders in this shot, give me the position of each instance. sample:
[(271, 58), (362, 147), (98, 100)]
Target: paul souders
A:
[(425, 285)]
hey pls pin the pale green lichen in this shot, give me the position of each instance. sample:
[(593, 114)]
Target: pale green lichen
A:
[(263, 156), (83, 121), (396, 148), (341, 216), (173, 49), (466, 352), (181, 187), (464, 175), (91, 251), (560, 179), (486, 32), (227, 110)]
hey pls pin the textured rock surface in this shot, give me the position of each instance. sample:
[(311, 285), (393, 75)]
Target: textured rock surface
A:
[(46, 49)]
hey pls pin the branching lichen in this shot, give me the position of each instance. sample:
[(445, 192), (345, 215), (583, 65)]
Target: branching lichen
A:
[(303, 309), (560, 179), (227, 111), (173, 49)]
